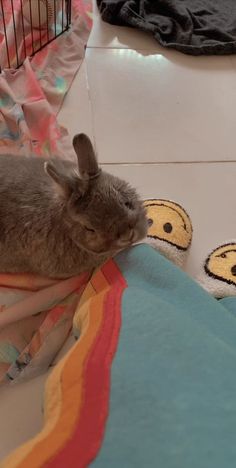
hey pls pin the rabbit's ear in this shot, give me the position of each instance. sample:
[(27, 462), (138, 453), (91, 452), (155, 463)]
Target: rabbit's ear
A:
[(88, 166), (66, 180)]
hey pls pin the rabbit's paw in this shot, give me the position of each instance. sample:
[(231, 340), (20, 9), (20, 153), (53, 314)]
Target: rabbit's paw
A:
[(218, 273), (170, 229)]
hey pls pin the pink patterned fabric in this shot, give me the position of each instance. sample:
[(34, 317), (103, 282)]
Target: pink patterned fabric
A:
[(29, 345), (31, 96)]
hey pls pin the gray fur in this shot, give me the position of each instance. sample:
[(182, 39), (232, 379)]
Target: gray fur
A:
[(58, 219)]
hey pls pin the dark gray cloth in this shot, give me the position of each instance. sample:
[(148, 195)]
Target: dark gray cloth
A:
[(191, 26)]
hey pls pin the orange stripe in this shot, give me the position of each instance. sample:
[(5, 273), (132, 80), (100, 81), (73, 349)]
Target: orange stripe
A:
[(85, 441), (99, 281)]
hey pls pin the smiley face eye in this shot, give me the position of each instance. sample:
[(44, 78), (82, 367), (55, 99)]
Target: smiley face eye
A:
[(223, 255), (150, 222), (233, 270), (168, 228)]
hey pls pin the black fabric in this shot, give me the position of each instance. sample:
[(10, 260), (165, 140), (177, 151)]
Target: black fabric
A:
[(192, 26)]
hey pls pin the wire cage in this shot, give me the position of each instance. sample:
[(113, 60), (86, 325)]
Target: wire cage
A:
[(26, 26)]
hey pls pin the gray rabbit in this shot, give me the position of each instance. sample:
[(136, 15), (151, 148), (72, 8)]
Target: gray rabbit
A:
[(58, 218)]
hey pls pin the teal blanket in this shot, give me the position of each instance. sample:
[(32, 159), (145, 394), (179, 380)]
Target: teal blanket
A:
[(173, 379)]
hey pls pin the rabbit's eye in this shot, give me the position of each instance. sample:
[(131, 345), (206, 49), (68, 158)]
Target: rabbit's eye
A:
[(129, 205), (89, 229)]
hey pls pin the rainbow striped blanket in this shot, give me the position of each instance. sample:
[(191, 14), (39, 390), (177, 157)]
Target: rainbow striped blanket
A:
[(150, 380)]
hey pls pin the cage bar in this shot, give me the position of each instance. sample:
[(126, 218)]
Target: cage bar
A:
[(29, 26)]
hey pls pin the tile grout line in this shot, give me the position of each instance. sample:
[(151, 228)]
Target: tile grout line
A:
[(162, 163), (90, 104), (124, 48)]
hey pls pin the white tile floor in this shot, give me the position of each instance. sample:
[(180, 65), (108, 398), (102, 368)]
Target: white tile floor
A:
[(166, 123)]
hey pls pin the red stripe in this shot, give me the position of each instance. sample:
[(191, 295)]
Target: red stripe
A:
[(112, 273), (86, 440)]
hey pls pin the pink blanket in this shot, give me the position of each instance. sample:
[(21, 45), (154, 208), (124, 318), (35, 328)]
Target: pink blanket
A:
[(39, 87), (30, 98)]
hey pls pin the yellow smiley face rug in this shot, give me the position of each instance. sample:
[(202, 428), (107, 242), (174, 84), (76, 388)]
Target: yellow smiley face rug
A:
[(170, 229), (218, 275)]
